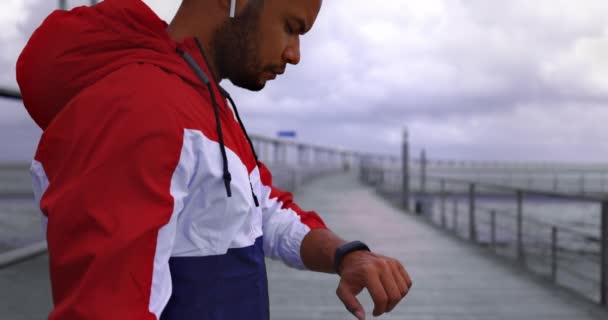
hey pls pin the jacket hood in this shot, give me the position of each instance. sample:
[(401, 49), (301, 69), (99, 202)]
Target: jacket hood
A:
[(72, 50)]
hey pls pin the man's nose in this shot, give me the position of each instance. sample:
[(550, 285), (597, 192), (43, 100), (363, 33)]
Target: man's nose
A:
[(292, 52)]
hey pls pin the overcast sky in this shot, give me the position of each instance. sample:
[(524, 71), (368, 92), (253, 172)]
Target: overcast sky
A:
[(471, 79)]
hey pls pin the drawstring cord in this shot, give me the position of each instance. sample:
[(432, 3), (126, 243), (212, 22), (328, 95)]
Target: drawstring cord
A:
[(203, 77), (255, 156), (236, 112)]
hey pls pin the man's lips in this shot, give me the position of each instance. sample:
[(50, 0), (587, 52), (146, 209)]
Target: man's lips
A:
[(272, 74)]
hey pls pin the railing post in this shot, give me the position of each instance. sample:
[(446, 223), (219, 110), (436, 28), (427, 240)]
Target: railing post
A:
[(442, 195), (367, 171), (335, 163), (256, 146), (554, 253), (604, 255), (265, 152), (493, 229), (423, 163), (472, 224), (380, 173), (405, 167), (455, 216), (301, 154), (345, 162), (293, 179), (285, 154), (520, 218), (275, 159), (555, 183)]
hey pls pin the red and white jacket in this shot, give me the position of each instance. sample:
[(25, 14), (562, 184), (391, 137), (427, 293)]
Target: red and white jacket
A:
[(129, 175)]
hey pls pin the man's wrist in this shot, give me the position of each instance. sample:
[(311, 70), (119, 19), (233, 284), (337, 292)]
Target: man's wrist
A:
[(318, 250), (346, 249)]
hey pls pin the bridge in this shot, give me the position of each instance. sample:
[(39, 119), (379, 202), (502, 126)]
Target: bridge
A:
[(468, 260), (481, 239)]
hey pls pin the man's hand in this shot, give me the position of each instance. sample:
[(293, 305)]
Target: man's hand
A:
[(385, 278)]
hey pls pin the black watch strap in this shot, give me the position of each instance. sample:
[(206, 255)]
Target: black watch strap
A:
[(345, 249)]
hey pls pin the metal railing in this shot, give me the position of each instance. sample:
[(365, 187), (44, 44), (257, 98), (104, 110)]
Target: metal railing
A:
[(559, 252), (531, 226), (503, 219), (294, 163), (10, 94)]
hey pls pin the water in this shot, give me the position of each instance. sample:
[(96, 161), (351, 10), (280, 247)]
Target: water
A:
[(585, 181), (15, 180), (572, 215), (20, 224)]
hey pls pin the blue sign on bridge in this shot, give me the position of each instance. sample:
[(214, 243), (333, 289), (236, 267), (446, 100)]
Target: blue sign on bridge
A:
[(287, 134)]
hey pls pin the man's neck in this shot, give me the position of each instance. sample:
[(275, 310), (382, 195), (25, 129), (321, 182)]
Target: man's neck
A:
[(191, 20)]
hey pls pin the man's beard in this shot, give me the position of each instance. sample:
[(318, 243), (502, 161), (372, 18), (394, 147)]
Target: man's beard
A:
[(236, 50)]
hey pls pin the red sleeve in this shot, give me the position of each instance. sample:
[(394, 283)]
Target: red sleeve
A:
[(109, 161)]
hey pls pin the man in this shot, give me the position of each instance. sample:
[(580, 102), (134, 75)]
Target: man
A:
[(156, 204)]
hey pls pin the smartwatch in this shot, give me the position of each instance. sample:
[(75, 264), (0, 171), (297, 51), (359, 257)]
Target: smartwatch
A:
[(345, 249)]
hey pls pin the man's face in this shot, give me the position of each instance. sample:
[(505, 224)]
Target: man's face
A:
[(257, 45)]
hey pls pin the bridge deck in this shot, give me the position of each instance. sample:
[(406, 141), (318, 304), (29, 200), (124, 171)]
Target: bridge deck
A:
[(452, 279)]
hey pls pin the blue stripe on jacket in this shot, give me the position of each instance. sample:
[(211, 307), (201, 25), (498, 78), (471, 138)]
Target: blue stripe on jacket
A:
[(223, 287)]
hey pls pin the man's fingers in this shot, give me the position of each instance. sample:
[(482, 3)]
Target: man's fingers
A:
[(385, 278), (400, 279), (350, 301), (390, 286), (378, 294), (405, 275)]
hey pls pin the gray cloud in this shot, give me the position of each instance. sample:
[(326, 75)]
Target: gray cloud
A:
[(469, 70), (470, 79), (25, 18)]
